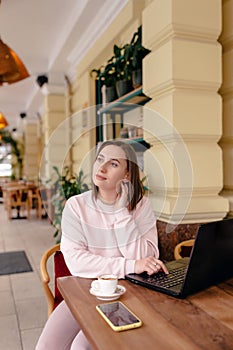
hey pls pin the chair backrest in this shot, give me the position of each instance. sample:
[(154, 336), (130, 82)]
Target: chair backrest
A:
[(60, 270), (53, 297), (16, 197), (183, 249)]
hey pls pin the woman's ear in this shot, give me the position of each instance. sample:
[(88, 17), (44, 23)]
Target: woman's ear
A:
[(127, 175)]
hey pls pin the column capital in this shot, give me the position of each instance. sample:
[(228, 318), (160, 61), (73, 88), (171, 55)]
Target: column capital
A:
[(49, 89)]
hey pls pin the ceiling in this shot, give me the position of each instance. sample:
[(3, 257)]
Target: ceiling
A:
[(50, 37)]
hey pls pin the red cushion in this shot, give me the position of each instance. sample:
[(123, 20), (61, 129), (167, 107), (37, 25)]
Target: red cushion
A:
[(60, 270)]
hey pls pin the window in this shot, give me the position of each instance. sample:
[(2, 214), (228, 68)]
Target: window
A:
[(5, 161)]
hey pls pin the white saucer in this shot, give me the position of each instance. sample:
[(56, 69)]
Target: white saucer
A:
[(119, 291)]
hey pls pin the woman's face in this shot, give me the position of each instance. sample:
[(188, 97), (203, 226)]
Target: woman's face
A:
[(110, 168)]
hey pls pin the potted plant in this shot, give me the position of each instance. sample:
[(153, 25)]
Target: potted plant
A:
[(137, 52), (107, 76), (64, 186), (123, 69), (128, 63)]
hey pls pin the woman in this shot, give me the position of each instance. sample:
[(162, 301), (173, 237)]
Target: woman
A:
[(109, 230)]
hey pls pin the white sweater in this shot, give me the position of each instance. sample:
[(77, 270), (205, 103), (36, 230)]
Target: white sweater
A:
[(97, 240)]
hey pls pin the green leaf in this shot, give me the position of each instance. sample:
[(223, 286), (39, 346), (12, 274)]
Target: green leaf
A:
[(64, 186)]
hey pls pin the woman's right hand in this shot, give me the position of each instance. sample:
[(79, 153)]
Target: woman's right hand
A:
[(150, 265), (122, 200)]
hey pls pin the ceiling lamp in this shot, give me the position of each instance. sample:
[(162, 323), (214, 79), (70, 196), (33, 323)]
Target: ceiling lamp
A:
[(12, 68), (3, 122)]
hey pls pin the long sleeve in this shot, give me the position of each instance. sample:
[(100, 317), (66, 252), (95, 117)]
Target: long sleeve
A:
[(83, 263), (95, 241), (137, 234)]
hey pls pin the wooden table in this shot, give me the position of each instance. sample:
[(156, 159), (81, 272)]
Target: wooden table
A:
[(202, 321)]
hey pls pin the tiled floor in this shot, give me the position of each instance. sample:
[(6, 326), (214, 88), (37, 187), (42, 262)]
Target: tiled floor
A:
[(23, 309)]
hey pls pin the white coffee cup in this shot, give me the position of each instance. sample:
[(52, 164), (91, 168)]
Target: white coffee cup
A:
[(106, 284)]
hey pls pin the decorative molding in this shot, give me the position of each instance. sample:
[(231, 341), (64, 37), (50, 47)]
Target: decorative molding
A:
[(31, 121), (227, 43), (190, 138), (184, 192), (172, 84), (190, 218), (76, 14), (226, 92), (226, 37), (226, 141), (228, 194), (99, 25), (48, 89), (72, 74), (175, 30), (206, 209)]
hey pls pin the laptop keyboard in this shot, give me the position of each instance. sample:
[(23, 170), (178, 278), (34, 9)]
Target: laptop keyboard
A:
[(175, 277)]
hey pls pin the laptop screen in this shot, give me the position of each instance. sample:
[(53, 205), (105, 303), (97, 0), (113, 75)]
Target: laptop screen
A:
[(211, 262), (211, 259)]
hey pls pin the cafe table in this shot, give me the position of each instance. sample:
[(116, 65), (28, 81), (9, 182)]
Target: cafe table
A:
[(201, 321)]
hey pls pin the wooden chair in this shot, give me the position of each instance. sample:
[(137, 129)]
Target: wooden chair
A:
[(5, 188), (59, 269), (35, 201), (16, 198), (183, 249), (40, 199)]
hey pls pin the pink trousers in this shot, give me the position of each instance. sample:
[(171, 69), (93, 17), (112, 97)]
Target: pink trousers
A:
[(62, 332)]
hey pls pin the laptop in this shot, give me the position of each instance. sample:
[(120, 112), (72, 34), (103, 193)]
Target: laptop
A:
[(210, 263)]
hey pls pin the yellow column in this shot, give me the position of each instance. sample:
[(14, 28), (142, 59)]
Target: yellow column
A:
[(183, 121), (55, 129), (83, 126), (31, 164), (226, 40)]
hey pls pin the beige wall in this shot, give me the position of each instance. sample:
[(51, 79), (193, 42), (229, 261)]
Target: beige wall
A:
[(119, 32), (226, 39), (186, 168), (84, 87)]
